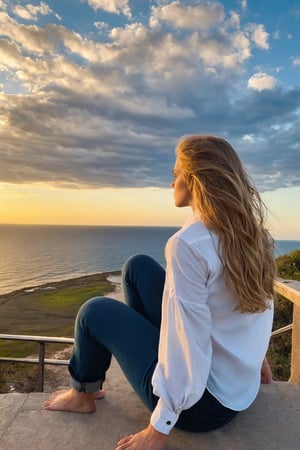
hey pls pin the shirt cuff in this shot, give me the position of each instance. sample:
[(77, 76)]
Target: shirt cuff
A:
[(162, 418)]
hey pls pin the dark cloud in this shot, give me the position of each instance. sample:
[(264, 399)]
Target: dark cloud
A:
[(93, 114)]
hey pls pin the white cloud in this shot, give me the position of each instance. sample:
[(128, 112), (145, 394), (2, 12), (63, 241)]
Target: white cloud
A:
[(234, 20), (227, 52), (10, 56), (118, 104), (102, 26), (155, 106), (296, 61), (261, 81), (243, 4), (276, 35), (259, 35), (2, 5), (248, 137), (188, 17), (32, 38), (112, 6), (31, 12)]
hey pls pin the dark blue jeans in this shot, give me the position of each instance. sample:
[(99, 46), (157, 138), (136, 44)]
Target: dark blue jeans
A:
[(106, 327)]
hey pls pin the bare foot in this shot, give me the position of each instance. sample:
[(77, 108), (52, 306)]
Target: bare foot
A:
[(71, 400), (98, 395)]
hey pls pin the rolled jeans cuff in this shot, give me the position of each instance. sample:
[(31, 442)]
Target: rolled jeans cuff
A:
[(88, 387)]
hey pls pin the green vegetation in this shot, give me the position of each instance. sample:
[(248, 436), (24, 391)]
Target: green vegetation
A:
[(48, 311), (289, 266), (67, 298), (279, 353), (51, 311)]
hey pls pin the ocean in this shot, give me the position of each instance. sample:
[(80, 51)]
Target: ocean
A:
[(31, 255)]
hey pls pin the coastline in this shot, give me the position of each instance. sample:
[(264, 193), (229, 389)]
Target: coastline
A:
[(48, 310), (51, 308), (81, 281), (52, 264)]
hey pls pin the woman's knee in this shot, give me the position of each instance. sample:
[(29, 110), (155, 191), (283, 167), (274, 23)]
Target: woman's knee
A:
[(135, 261), (92, 307), (135, 264)]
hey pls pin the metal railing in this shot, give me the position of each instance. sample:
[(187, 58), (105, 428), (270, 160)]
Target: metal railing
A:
[(41, 360), (287, 288)]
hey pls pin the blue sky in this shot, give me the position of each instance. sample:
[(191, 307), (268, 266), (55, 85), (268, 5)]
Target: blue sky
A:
[(94, 95)]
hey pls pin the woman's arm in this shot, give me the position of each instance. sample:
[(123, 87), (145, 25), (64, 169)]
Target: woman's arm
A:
[(185, 348)]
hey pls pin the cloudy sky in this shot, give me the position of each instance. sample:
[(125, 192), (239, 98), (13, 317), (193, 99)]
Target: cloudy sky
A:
[(94, 95)]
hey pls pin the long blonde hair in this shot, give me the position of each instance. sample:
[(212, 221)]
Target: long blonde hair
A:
[(230, 206)]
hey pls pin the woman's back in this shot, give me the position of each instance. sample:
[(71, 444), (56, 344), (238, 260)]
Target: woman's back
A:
[(239, 340)]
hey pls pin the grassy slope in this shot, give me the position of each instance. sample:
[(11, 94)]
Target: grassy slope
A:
[(52, 313), (48, 312)]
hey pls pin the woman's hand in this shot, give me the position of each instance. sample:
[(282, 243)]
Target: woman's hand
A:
[(148, 439), (266, 373)]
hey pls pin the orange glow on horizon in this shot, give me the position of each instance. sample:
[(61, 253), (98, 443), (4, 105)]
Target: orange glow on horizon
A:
[(39, 204), (43, 204)]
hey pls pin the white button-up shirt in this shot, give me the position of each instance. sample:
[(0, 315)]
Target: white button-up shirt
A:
[(205, 342)]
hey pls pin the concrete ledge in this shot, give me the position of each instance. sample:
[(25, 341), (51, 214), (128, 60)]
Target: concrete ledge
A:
[(272, 422)]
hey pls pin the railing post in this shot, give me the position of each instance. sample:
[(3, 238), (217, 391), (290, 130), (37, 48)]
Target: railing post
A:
[(295, 360), (41, 367)]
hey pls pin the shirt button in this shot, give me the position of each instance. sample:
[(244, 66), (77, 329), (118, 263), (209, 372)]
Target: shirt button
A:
[(168, 422)]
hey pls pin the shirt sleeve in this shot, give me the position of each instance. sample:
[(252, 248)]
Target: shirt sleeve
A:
[(184, 355)]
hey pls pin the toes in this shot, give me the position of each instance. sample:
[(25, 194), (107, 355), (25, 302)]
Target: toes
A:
[(125, 439), (56, 393), (99, 394), (47, 404)]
